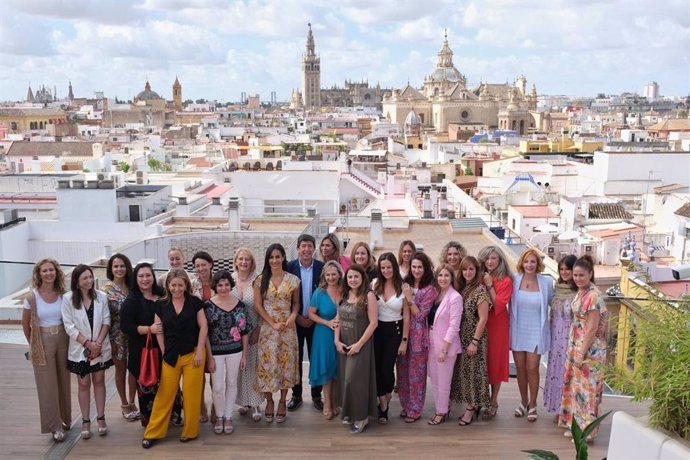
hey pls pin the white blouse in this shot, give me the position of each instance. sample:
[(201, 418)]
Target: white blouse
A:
[(391, 309)]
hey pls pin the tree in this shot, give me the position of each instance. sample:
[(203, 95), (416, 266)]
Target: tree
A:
[(154, 165), (124, 167), (468, 171)]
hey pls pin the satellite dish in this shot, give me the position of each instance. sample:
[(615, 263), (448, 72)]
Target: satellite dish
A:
[(567, 236)]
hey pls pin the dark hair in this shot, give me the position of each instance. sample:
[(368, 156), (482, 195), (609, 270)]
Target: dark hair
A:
[(381, 280), (465, 288), (362, 291), (125, 260), (336, 245), (569, 262), (266, 271), (134, 286), (222, 275), (586, 262), (305, 237), (402, 245), (74, 285), (428, 276), (204, 256)]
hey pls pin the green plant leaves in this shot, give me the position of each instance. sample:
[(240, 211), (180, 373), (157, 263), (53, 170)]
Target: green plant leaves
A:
[(538, 454)]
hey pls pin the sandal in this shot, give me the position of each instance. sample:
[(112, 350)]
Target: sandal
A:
[(532, 415), (58, 435), (228, 426), (474, 414), (281, 415), (218, 427), (490, 412), (520, 411), (85, 433), (269, 414), (102, 428), (128, 413), (243, 410), (383, 415), (410, 419), (438, 419), (256, 414)]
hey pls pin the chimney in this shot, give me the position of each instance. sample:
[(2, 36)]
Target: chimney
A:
[(234, 214), (376, 231), (433, 197), (35, 165), (443, 205), (182, 207), (427, 206)]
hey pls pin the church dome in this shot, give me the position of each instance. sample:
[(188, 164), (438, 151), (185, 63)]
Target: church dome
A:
[(450, 74), (412, 119), (147, 94)]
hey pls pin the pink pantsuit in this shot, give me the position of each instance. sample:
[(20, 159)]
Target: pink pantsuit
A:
[(446, 328)]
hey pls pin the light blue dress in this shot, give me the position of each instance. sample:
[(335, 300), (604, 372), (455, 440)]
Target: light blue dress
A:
[(526, 331), (323, 362)]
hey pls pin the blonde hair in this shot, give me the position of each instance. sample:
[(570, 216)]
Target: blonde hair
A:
[(238, 251), (331, 263), (178, 273), (452, 244), (502, 270), (37, 281)]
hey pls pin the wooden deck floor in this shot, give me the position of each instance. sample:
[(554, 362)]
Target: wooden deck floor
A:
[(306, 434)]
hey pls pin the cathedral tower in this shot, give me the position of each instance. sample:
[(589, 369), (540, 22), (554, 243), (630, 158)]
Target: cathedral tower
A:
[(177, 94), (311, 75)]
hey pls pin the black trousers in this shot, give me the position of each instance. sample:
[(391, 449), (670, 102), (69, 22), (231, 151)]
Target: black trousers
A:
[(387, 338), (304, 334)]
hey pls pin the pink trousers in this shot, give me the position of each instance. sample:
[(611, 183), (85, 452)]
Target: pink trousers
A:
[(440, 377)]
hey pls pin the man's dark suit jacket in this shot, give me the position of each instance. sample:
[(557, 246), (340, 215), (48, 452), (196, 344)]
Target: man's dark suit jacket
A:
[(294, 268)]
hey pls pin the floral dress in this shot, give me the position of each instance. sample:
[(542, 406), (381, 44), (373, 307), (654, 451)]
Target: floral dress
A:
[(116, 297), (583, 386), (560, 317), (277, 367), (470, 382), (411, 369)]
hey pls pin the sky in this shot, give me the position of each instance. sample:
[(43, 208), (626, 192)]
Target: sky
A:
[(219, 49)]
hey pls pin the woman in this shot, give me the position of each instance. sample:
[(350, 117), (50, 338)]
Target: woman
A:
[(119, 273), (86, 316), (393, 330), (137, 319), (586, 355), (357, 319), (276, 294), (227, 342), (405, 252), (323, 308), (530, 336), (470, 376), (361, 255), (330, 250), (560, 317), (452, 254), (419, 292), (499, 284), (243, 276), (182, 343), (48, 344), (175, 260), (201, 288), (444, 340)]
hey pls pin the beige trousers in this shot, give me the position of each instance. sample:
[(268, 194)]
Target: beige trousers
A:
[(53, 381)]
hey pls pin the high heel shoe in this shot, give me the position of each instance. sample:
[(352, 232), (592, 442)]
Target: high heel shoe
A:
[(490, 412), (269, 414), (474, 414), (102, 428), (85, 433), (256, 414), (383, 415), (359, 426), (438, 419), (281, 415)]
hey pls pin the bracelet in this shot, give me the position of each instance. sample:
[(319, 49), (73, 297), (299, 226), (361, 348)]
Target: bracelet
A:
[(404, 339), (85, 342), (475, 340)]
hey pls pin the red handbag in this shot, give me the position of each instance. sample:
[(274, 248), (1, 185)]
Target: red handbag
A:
[(150, 364)]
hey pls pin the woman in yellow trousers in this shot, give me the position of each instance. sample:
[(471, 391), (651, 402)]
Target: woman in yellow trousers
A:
[(182, 343)]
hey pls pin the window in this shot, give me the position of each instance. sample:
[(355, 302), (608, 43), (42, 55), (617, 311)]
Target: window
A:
[(513, 225), (464, 114)]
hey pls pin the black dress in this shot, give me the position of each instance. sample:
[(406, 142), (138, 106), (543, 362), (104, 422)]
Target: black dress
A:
[(84, 368)]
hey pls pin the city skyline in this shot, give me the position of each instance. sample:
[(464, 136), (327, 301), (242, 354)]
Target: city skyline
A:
[(257, 46)]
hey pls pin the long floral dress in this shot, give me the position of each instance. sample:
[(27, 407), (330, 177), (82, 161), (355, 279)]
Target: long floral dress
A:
[(470, 382), (411, 369), (584, 385), (116, 297), (560, 318), (247, 394), (277, 368)]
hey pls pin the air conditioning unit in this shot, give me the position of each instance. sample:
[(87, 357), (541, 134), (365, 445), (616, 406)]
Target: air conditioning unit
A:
[(588, 249), (550, 251)]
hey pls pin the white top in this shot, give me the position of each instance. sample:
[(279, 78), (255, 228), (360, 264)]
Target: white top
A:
[(391, 309), (49, 314)]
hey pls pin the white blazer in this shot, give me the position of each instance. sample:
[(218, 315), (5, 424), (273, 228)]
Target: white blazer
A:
[(76, 321), (546, 290)]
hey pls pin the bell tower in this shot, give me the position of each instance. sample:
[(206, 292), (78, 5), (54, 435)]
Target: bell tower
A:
[(177, 94), (311, 74)]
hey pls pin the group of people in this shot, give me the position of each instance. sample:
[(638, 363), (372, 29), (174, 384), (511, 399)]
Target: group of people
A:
[(371, 326)]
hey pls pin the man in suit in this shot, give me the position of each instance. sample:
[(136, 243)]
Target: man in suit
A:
[(308, 270)]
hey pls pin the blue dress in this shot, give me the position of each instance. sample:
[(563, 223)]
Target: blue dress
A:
[(526, 330), (323, 363)]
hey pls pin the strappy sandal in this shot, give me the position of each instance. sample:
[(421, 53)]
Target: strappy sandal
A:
[(532, 415), (408, 419), (281, 415), (473, 411), (490, 412), (269, 415), (520, 411), (102, 428), (218, 427), (229, 428), (438, 419), (85, 433)]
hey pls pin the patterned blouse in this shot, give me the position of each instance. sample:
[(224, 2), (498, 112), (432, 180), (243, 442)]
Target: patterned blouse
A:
[(116, 297), (226, 328)]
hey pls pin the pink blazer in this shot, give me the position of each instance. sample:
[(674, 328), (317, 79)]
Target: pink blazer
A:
[(446, 325)]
